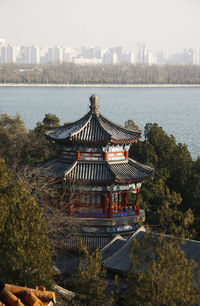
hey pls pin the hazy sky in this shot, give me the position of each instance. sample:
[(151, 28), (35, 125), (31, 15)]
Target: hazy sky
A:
[(169, 25)]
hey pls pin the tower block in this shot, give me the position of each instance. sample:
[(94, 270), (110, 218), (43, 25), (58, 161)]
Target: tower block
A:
[(99, 176)]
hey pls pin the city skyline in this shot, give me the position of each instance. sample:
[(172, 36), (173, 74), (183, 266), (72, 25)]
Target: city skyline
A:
[(131, 47), (139, 54), (164, 25)]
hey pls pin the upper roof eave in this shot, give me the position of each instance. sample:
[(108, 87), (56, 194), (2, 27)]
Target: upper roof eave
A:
[(93, 128)]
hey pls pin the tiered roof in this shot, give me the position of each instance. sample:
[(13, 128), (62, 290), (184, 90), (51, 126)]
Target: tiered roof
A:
[(101, 172), (95, 130), (92, 129)]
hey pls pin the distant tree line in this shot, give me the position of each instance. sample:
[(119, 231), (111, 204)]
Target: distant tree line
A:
[(100, 74)]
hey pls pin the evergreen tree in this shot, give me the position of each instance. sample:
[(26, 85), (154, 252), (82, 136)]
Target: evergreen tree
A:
[(20, 147), (12, 138), (175, 174), (24, 254), (130, 124), (89, 280), (160, 274)]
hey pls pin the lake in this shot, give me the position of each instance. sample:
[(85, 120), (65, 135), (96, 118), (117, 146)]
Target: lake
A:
[(176, 109)]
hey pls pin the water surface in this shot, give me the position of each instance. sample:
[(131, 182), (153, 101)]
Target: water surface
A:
[(177, 110)]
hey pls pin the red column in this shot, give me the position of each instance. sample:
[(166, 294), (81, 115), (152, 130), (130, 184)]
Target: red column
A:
[(137, 206), (78, 154), (125, 198), (126, 154), (110, 205), (105, 155)]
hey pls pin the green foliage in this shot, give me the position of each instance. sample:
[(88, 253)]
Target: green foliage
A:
[(160, 274), (20, 147), (176, 176), (38, 148), (5, 178), (89, 280), (130, 124), (49, 121), (24, 254), (172, 219), (12, 138)]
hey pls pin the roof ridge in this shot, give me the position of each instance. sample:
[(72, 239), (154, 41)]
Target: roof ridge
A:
[(104, 162), (55, 129), (71, 168), (111, 242), (109, 167), (119, 161), (78, 131), (99, 123), (128, 241), (140, 164), (120, 126)]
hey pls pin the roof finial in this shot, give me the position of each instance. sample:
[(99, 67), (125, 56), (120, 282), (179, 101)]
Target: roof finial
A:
[(94, 105)]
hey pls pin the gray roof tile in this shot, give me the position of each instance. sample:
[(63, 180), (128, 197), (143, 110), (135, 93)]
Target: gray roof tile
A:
[(120, 259), (97, 171), (130, 170), (55, 167), (90, 172), (113, 246), (93, 128)]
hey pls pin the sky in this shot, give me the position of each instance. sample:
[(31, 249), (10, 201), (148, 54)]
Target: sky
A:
[(168, 25)]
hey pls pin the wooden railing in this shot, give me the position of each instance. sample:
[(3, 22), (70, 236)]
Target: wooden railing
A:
[(93, 212), (89, 212), (128, 210)]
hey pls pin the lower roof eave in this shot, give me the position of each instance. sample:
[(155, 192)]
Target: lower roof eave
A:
[(128, 181), (96, 183)]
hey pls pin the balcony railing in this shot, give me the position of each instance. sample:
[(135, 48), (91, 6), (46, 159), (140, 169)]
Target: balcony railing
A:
[(91, 212), (128, 210)]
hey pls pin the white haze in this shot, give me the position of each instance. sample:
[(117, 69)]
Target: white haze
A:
[(168, 25)]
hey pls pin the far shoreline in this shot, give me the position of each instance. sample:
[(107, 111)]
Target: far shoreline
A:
[(98, 85)]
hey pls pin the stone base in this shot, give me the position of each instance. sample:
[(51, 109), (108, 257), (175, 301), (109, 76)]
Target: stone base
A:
[(97, 232), (123, 220)]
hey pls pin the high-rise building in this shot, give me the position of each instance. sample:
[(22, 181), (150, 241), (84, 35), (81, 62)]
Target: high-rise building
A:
[(110, 58), (11, 54), (69, 54), (25, 55), (160, 58), (196, 57), (141, 50), (128, 58), (50, 57), (58, 55), (3, 53), (35, 55), (150, 58)]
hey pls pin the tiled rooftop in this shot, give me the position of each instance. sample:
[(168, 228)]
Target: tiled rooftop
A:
[(23, 296), (119, 259), (93, 128), (97, 171)]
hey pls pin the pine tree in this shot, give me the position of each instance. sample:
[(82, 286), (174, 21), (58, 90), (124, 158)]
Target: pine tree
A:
[(89, 281), (160, 274), (24, 254)]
